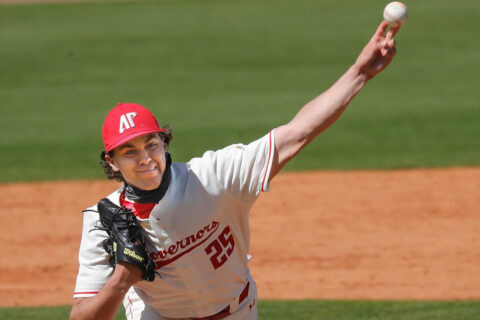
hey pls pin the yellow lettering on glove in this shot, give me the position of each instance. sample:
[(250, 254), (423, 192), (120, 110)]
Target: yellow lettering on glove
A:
[(132, 254)]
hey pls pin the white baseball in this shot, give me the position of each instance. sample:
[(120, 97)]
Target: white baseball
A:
[(395, 13)]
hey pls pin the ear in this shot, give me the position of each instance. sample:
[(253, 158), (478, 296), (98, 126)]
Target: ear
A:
[(112, 163)]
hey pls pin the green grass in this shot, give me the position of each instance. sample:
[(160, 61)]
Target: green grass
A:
[(225, 71), (43, 313), (310, 310)]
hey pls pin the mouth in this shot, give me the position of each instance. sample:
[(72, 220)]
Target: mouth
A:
[(153, 169)]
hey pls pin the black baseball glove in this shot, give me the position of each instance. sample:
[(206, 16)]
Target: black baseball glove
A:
[(125, 240)]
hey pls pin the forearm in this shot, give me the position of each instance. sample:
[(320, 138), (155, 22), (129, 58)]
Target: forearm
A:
[(316, 116), (106, 303), (102, 306), (324, 110)]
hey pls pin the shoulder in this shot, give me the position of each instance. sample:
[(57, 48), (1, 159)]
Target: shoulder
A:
[(237, 168), (90, 214), (234, 151)]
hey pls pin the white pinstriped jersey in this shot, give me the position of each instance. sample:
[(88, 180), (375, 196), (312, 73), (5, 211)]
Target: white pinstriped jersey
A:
[(198, 234)]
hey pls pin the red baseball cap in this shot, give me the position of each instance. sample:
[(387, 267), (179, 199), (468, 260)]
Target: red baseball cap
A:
[(125, 122)]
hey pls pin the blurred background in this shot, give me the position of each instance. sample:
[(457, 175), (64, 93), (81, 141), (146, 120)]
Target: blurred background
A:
[(220, 72)]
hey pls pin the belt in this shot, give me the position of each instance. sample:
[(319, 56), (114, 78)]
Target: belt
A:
[(217, 316), (226, 312)]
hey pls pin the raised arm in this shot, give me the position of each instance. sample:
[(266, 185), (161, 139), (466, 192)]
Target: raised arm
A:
[(317, 115)]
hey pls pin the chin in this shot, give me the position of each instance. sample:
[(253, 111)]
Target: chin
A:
[(151, 186)]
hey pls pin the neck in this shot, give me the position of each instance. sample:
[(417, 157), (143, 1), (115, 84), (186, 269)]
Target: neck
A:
[(151, 196)]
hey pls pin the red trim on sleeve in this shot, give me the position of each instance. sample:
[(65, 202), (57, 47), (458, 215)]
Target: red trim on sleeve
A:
[(130, 307), (268, 160), (86, 292)]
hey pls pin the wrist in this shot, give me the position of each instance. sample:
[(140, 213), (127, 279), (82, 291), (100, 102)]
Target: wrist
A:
[(358, 74), (125, 276), (119, 284)]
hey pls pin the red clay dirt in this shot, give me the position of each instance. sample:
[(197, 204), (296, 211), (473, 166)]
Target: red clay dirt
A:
[(410, 234)]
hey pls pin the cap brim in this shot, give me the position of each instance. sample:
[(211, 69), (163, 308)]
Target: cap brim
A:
[(132, 136)]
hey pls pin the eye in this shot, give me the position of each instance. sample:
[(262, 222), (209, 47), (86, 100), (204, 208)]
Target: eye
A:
[(152, 145), (130, 152)]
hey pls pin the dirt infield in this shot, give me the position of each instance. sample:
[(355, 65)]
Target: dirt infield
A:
[(325, 235)]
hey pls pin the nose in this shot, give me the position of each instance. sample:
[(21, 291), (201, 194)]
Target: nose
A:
[(144, 157)]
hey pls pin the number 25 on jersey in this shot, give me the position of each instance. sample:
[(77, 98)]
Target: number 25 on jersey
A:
[(222, 248)]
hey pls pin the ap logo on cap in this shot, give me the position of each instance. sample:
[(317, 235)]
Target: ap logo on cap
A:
[(126, 121)]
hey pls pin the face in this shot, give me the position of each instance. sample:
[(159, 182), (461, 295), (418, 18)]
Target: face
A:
[(141, 161)]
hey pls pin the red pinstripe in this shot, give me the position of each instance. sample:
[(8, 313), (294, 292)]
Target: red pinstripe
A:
[(268, 161), (131, 305)]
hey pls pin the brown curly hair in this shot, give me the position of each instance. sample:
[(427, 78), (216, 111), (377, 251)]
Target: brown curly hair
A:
[(166, 136)]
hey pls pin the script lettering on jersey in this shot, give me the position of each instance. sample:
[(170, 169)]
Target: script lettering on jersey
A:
[(126, 121), (184, 246)]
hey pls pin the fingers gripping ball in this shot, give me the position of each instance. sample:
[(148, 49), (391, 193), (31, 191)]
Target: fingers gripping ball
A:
[(124, 241), (395, 13)]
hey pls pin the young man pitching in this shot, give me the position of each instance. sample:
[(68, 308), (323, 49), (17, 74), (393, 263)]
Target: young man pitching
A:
[(173, 241)]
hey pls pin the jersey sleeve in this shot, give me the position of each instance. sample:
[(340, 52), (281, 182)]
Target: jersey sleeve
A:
[(94, 268), (243, 170)]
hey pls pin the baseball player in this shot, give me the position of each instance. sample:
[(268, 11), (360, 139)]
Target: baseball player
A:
[(184, 254)]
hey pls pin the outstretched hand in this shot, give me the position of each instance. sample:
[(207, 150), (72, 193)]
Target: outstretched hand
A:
[(379, 51)]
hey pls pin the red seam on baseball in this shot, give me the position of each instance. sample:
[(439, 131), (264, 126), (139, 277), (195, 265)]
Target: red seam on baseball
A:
[(391, 18)]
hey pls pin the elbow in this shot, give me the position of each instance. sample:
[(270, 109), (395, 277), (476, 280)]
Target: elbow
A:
[(75, 313), (296, 134), (299, 138), (289, 140)]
